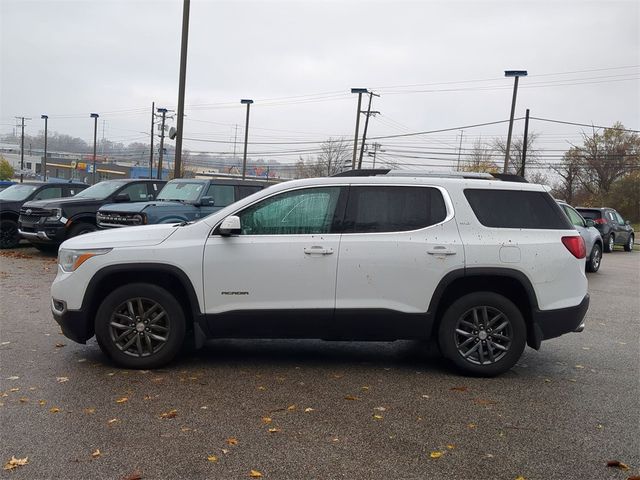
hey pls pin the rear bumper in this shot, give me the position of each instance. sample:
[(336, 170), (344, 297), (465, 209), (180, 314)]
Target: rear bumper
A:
[(553, 323)]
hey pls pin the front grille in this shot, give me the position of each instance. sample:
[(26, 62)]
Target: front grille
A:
[(111, 218), (33, 215), (29, 218)]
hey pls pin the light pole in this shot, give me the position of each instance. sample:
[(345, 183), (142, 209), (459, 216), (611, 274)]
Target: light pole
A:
[(95, 137), (248, 103), (43, 164), (177, 163), (163, 111), (359, 91), (517, 74)]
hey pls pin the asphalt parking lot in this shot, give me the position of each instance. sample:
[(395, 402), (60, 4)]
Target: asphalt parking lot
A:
[(317, 410)]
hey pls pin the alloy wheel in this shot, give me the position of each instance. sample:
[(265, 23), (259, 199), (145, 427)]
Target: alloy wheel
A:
[(483, 335)]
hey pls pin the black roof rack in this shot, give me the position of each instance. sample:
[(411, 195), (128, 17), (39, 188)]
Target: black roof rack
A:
[(509, 177), (363, 172)]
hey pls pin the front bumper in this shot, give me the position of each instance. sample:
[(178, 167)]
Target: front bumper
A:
[(74, 323), (553, 323), (49, 233)]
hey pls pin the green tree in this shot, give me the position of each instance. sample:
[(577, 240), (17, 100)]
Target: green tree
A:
[(6, 170)]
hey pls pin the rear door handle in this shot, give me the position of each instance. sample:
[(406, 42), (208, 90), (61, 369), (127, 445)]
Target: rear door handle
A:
[(441, 250), (318, 250)]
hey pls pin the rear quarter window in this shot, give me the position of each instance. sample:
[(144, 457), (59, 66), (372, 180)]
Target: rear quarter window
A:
[(516, 209)]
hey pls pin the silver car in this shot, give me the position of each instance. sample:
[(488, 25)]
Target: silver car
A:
[(590, 235)]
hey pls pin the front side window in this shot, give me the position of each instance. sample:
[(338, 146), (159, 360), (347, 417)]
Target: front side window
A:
[(137, 192), (308, 211), (101, 190), (392, 209), (222, 195), (47, 193), (619, 219)]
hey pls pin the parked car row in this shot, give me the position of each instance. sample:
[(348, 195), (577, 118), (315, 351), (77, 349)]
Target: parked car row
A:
[(47, 214)]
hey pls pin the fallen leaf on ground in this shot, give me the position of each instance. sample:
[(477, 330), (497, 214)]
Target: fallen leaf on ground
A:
[(255, 474), (170, 414), (482, 401), (380, 409), (451, 447), (308, 409), (133, 476), (24, 400), (96, 453), (520, 477), (232, 441), (266, 420), (262, 388), (274, 430), (634, 477), (14, 389), (15, 463), (436, 454), (212, 458), (365, 387), (377, 417), (13, 377), (62, 379), (458, 389), (579, 366), (60, 345), (351, 397), (471, 425), (42, 403), (291, 408), (89, 411), (617, 464), (122, 400), (112, 421), (54, 409), (225, 451)]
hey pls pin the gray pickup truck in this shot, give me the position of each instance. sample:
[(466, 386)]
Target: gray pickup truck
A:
[(179, 200)]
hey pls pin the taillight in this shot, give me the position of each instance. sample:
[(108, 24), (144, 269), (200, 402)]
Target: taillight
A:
[(575, 245), (600, 221)]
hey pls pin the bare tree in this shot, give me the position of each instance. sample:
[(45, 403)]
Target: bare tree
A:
[(480, 159), (569, 170), (515, 155), (335, 155)]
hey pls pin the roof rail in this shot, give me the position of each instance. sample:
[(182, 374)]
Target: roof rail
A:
[(369, 172), (363, 172)]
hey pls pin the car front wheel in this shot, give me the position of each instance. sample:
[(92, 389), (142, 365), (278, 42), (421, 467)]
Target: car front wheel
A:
[(593, 264), (9, 236), (140, 326), (629, 245), (611, 242), (483, 334)]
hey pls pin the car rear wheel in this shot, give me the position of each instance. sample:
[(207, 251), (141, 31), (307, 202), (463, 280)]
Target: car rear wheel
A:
[(629, 245), (593, 264), (608, 246), (140, 326), (9, 236), (483, 334)]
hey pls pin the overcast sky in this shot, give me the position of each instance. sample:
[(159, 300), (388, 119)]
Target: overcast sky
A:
[(436, 64)]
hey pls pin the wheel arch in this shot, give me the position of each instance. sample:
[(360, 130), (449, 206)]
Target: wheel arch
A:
[(171, 278), (510, 283)]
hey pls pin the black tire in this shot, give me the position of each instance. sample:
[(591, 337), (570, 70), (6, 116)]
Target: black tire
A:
[(81, 228), (494, 311), (595, 259), (132, 340), (628, 247), (9, 236), (45, 248), (609, 244)]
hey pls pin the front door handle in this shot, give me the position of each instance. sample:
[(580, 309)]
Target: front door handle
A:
[(441, 250), (318, 250)]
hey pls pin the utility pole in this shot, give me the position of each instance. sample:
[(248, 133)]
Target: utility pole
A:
[(248, 103), (22, 148), (359, 91), (517, 74), (235, 139), (163, 111), (460, 149), (43, 164), (376, 148), (153, 116), (103, 123), (525, 141), (177, 164), (366, 125), (95, 136)]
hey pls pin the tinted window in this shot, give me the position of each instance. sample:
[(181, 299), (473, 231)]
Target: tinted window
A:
[(619, 219), (392, 209), (47, 193), (222, 195), (591, 214), (516, 209), (137, 192), (308, 211), (246, 190)]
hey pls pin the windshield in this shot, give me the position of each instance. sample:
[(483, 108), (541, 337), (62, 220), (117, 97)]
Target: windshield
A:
[(17, 192), (100, 191), (182, 191)]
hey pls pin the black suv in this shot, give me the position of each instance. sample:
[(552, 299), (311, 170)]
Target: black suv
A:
[(612, 227), (14, 196), (46, 223)]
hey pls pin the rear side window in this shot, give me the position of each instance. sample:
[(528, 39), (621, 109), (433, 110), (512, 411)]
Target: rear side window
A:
[(392, 209), (222, 195), (516, 209)]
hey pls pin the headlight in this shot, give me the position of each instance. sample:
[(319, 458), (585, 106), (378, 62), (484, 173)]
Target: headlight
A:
[(56, 214), (137, 219), (70, 260)]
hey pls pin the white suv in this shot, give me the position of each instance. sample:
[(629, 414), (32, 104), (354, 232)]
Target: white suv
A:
[(483, 266)]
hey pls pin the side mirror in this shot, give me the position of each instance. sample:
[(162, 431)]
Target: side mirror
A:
[(590, 223), (122, 197), (206, 202), (230, 226), (627, 222)]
